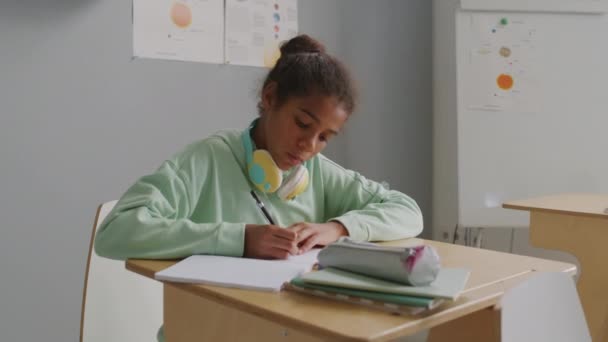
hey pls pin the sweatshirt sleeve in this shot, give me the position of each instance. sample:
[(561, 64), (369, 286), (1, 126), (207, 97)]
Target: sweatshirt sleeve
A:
[(369, 211), (151, 220)]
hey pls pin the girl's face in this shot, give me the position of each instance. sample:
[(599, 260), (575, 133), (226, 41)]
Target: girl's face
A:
[(299, 128)]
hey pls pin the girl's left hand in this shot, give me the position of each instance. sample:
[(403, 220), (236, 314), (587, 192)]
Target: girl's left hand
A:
[(313, 234)]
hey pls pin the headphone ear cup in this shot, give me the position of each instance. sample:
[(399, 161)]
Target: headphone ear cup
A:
[(295, 184), (264, 172)]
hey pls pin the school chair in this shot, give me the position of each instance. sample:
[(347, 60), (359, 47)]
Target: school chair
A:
[(545, 307), (117, 305)]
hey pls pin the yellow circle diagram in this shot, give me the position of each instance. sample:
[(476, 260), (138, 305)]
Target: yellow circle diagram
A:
[(272, 53), (504, 81), (181, 15)]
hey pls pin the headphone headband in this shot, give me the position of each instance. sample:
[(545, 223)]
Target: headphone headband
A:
[(247, 142)]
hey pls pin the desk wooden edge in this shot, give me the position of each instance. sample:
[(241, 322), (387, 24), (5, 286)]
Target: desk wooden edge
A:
[(555, 211), (133, 266)]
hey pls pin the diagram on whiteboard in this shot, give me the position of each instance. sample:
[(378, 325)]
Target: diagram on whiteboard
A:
[(500, 70), (186, 30)]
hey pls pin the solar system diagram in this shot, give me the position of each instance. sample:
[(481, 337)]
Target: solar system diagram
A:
[(500, 66)]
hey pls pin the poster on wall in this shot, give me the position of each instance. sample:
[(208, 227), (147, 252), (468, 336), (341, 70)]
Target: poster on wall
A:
[(500, 72), (184, 30), (256, 28)]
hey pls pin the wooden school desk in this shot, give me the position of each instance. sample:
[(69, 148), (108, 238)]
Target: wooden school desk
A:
[(576, 224), (209, 313)]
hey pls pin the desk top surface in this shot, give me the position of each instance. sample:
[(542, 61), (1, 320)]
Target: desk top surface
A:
[(491, 274), (580, 204)]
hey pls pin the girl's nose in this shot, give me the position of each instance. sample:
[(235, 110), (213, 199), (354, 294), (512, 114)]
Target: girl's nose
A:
[(307, 143)]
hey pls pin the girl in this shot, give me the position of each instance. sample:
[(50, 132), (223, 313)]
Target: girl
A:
[(207, 198)]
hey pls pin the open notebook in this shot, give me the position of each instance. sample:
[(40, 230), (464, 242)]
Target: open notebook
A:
[(254, 274)]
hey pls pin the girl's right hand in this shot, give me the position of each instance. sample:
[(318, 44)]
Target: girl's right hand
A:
[(265, 241)]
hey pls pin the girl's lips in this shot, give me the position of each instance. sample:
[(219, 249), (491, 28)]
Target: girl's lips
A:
[(293, 160)]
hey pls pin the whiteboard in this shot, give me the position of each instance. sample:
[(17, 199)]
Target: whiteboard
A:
[(572, 6), (544, 130)]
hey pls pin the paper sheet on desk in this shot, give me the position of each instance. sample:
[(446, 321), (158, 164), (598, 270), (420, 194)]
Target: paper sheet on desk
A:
[(253, 274)]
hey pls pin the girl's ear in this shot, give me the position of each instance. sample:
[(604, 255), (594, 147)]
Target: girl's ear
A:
[(269, 95)]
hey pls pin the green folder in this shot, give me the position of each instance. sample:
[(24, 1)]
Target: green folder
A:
[(450, 282), (376, 296)]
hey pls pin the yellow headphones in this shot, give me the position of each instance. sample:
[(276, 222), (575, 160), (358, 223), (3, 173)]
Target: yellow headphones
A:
[(267, 176)]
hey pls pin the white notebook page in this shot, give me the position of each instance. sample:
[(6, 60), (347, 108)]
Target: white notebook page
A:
[(254, 274)]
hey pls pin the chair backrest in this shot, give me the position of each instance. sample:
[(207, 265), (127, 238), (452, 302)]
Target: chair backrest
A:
[(117, 305), (545, 307)]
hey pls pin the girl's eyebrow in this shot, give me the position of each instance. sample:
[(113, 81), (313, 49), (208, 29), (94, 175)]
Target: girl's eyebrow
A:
[(314, 117)]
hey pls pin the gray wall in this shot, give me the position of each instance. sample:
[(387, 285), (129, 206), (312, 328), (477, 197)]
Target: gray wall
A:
[(80, 121), (388, 45), (445, 153)]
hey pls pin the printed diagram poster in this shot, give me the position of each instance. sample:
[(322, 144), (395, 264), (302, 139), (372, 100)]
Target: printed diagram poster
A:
[(501, 65), (256, 28), (185, 30)]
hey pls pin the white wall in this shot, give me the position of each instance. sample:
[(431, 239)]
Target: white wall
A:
[(80, 121)]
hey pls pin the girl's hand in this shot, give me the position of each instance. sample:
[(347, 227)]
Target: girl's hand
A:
[(269, 242), (313, 234)]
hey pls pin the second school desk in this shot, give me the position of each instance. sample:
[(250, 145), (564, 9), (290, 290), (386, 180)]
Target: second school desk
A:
[(209, 313), (578, 224)]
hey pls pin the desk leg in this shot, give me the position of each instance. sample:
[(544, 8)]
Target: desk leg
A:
[(586, 238), (481, 326), (189, 317)]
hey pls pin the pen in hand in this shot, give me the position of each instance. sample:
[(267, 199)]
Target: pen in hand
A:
[(262, 207)]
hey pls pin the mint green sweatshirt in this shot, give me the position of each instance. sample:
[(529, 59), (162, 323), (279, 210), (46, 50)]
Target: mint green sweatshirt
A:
[(198, 202)]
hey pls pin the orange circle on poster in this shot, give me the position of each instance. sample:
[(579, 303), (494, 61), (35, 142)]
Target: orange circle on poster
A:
[(181, 15), (504, 81)]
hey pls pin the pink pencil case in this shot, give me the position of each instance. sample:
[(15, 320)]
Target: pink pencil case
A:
[(417, 265)]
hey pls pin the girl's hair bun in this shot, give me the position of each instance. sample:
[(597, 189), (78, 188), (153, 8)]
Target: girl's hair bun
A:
[(301, 44), (305, 68)]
